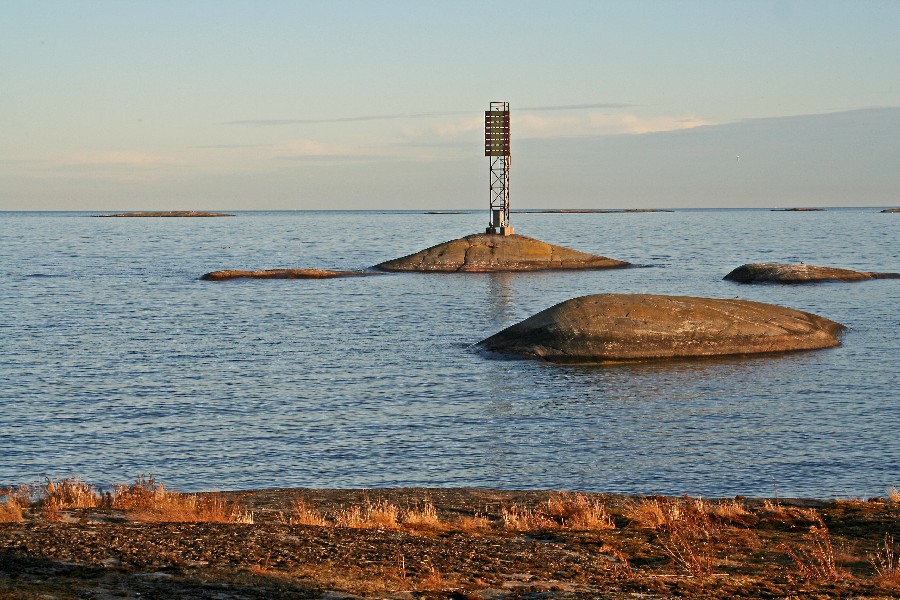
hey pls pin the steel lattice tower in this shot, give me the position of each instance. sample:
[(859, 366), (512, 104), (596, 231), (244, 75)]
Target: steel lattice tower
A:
[(496, 146)]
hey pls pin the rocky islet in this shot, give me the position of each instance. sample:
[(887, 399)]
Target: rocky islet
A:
[(481, 253), (628, 327)]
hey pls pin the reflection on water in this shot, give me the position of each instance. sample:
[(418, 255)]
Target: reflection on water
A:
[(501, 298), (118, 361)]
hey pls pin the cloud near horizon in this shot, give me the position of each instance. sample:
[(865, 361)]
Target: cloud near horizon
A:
[(423, 115)]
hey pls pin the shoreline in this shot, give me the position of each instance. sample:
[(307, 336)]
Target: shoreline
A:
[(448, 543)]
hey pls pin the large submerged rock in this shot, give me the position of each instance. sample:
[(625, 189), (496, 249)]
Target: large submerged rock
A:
[(488, 252), (621, 327), (799, 273), (281, 274)]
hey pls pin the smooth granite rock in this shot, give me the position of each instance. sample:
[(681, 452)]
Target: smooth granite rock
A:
[(624, 327), (282, 274), (487, 252), (799, 273)]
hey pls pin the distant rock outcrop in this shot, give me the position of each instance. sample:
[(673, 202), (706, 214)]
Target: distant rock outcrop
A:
[(623, 327), (891, 210), (170, 213), (489, 252), (800, 209), (602, 211), (282, 274), (799, 273)]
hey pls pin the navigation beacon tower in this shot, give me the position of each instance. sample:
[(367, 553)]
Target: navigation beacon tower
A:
[(496, 146)]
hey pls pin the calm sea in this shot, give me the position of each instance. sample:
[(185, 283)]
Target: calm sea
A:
[(117, 360)]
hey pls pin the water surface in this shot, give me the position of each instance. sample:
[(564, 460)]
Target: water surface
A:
[(117, 360)]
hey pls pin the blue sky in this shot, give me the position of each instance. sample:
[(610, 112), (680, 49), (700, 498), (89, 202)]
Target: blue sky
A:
[(378, 105)]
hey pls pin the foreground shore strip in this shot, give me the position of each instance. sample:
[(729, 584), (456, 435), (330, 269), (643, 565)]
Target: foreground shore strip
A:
[(66, 540)]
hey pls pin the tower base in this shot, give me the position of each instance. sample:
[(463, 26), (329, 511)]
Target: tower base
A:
[(505, 230)]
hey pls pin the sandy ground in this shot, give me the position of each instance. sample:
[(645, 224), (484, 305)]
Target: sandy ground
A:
[(479, 544)]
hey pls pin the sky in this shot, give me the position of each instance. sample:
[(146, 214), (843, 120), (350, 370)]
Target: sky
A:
[(347, 105)]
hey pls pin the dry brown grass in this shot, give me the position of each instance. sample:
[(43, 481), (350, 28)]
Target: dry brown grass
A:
[(561, 511), (887, 563), (646, 512), (522, 518), (11, 510), (433, 580), (69, 493), (687, 530), (476, 523), (893, 495), (423, 518), (578, 511), (814, 559), (304, 514), (149, 501), (380, 515), (617, 562), (732, 511)]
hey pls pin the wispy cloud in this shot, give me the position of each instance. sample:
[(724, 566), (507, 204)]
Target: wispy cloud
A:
[(417, 115), (575, 107), (119, 159)]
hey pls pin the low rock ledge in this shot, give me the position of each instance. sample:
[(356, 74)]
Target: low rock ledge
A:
[(170, 213), (282, 274), (799, 273)]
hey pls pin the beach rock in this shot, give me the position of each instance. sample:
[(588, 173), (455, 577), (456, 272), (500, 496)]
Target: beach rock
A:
[(799, 273), (488, 252), (170, 213), (622, 327), (282, 274), (891, 210)]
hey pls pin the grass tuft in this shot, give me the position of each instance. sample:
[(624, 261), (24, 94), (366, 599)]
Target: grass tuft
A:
[(814, 560), (12, 510), (476, 523), (577, 511), (69, 493), (886, 563), (893, 495), (423, 518), (304, 514), (381, 515), (150, 501)]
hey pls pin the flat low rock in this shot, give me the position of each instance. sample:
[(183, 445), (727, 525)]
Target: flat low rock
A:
[(799, 273), (483, 252), (626, 327), (282, 274), (170, 213)]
